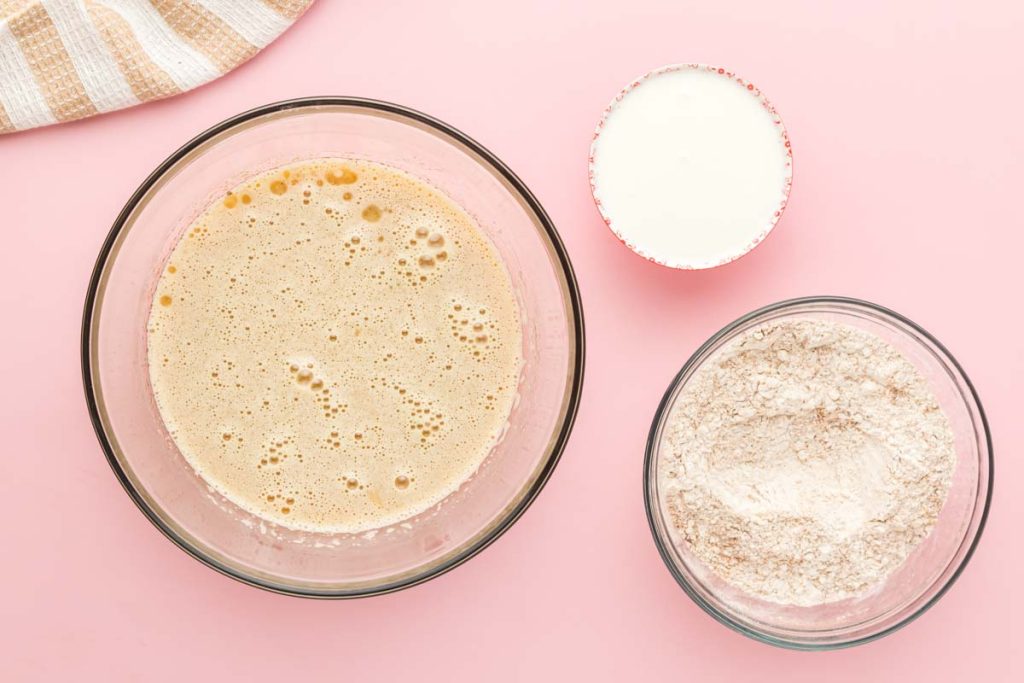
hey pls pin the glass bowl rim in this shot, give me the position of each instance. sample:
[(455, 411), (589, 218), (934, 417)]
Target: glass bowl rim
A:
[(650, 477), (564, 271)]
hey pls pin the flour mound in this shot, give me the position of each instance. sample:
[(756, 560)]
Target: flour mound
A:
[(805, 461)]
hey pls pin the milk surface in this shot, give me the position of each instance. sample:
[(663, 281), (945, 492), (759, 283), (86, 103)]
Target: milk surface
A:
[(691, 168)]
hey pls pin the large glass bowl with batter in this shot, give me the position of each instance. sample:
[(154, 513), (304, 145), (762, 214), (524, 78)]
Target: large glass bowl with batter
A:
[(213, 529), (929, 570)]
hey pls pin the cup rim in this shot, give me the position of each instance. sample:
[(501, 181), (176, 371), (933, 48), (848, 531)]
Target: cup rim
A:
[(572, 300), (691, 264), (649, 476)]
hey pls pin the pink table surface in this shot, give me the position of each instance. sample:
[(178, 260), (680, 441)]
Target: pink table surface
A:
[(905, 119)]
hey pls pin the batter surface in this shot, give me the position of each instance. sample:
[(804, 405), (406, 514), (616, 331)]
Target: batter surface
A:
[(334, 346)]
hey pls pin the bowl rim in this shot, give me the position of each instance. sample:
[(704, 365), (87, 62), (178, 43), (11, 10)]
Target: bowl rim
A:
[(663, 545), (495, 165)]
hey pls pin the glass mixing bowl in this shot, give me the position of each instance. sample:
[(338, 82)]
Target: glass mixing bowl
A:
[(211, 528), (932, 566)]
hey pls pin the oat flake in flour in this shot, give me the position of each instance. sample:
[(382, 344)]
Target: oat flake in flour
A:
[(805, 461)]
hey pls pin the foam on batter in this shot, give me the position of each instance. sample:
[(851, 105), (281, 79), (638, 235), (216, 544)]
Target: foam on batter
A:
[(334, 346)]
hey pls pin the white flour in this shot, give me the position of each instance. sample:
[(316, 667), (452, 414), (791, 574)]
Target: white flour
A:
[(805, 461)]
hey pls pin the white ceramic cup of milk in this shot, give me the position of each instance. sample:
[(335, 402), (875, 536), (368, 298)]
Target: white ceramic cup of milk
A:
[(691, 166)]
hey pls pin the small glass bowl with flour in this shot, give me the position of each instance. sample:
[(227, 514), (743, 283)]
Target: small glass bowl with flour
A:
[(818, 473)]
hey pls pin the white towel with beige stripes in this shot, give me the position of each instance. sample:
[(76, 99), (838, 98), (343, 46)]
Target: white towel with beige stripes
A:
[(62, 60)]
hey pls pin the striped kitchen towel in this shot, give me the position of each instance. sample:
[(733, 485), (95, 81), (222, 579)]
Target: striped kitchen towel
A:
[(62, 60)]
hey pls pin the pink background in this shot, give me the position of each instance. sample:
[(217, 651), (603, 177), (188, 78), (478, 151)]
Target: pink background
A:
[(905, 122)]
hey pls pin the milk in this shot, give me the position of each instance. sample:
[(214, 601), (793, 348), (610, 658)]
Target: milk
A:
[(691, 168)]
